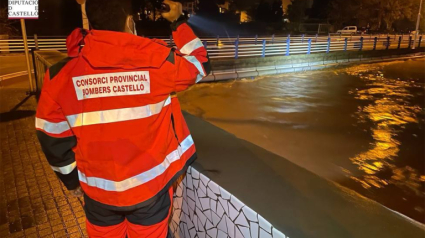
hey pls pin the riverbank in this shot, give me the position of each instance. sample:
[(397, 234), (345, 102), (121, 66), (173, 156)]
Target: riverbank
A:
[(225, 69)]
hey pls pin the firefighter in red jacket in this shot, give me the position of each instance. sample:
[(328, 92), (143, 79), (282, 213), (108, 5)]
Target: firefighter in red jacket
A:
[(107, 119)]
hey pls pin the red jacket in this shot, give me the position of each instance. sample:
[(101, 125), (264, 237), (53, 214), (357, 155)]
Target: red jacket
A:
[(107, 117)]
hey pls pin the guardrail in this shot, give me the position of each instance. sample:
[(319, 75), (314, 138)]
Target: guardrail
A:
[(17, 45), (235, 47), (40, 65), (248, 47)]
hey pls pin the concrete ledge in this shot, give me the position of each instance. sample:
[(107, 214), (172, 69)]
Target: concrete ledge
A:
[(244, 74), (209, 78), (317, 67), (285, 70), (316, 62), (284, 66), (267, 72), (225, 76), (295, 63)]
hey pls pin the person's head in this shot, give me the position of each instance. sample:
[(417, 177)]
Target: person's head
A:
[(110, 15)]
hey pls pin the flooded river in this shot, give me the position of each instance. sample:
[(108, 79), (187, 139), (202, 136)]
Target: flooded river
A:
[(362, 127)]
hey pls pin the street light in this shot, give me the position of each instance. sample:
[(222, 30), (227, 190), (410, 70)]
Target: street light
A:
[(417, 25)]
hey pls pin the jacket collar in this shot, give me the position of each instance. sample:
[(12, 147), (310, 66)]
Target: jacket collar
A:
[(116, 49)]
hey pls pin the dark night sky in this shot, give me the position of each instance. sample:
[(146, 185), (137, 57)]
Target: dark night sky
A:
[(56, 18), (60, 17)]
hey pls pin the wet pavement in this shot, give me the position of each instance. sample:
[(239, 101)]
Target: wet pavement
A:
[(361, 127), (33, 202)]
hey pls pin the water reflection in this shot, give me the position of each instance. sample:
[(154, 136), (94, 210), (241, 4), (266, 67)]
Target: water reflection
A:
[(389, 110), (309, 119)]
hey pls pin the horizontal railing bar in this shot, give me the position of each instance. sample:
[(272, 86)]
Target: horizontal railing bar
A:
[(250, 46)]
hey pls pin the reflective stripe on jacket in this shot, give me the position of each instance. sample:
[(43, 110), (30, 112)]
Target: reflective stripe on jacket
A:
[(106, 117)]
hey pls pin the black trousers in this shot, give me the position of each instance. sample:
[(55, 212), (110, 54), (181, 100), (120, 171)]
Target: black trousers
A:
[(150, 221)]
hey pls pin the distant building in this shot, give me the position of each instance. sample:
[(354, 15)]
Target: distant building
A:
[(285, 4), (190, 7), (223, 8), (148, 11), (226, 7), (245, 17)]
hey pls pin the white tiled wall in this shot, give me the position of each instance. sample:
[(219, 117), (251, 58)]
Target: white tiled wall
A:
[(203, 209)]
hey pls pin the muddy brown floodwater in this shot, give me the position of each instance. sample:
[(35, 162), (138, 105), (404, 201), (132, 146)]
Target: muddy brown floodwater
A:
[(361, 126)]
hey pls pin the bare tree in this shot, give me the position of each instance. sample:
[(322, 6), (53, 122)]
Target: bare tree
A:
[(7, 26)]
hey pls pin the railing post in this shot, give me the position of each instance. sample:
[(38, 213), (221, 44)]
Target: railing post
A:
[(345, 44), (309, 47), (36, 41), (410, 42), (272, 38), (361, 43), (302, 38), (374, 43), (171, 40), (420, 40), (27, 57), (256, 37), (34, 66), (238, 39), (316, 37), (328, 47), (236, 48), (388, 43), (399, 42), (288, 43), (218, 39), (263, 53)]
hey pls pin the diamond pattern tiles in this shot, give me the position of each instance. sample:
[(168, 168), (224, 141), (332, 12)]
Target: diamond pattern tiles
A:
[(203, 209)]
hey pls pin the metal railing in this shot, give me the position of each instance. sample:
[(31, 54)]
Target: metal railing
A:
[(235, 47), (248, 47), (17, 45), (256, 46), (244, 47), (41, 63)]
